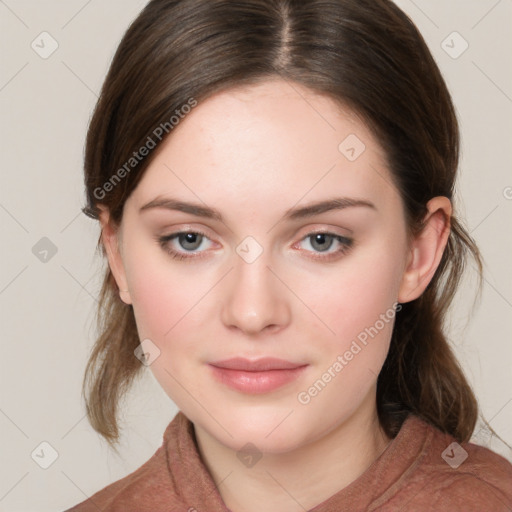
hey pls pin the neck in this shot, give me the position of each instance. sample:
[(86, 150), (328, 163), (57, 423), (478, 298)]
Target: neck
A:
[(300, 479)]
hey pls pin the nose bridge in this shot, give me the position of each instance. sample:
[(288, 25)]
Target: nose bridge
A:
[(255, 298)]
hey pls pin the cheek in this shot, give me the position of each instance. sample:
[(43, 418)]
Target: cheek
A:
[(355, 295), (357, 302), (155, 303), (167, 309), (360, 308), (162, 292)]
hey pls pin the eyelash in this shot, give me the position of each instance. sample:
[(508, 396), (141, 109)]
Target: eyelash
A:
[(346, 245)]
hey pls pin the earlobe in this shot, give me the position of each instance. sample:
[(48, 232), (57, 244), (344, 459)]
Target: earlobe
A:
[(426, 250), (110, 240)]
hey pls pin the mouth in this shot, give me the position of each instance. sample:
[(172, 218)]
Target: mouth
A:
[(258, 376)]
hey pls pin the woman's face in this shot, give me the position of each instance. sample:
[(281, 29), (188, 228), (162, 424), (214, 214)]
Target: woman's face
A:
[(277, 271)]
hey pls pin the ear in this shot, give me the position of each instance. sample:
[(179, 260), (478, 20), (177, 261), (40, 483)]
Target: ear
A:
[(426, 250), (110, 237)]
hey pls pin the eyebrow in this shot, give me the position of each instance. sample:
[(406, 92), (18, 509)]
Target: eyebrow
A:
[(337, 203)]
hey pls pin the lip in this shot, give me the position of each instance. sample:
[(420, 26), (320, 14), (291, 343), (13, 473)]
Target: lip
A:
[(258, 376)]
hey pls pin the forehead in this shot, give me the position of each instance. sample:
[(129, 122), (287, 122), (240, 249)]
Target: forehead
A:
[(268, 144)]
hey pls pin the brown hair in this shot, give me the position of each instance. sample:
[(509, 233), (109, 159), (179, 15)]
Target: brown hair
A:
[(366, 54)]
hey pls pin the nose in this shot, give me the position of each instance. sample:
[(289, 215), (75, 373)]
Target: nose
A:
[(255, 299)]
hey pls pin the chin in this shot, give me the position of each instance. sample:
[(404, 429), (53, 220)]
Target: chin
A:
[(271, 432)]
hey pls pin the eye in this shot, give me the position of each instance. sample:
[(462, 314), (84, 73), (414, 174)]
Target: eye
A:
[(322, 241), (187, 244), (183, 242)]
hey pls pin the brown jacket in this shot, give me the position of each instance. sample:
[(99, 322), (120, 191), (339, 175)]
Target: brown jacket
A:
[(422, 470)]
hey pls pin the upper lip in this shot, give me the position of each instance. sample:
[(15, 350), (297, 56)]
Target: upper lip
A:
[(257, 365)]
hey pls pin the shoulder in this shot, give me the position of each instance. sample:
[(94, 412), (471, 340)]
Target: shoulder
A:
[(460, 476), (126, 491), (148, 488)]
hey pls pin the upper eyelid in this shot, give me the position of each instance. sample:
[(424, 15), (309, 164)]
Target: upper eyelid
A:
[(342, 239), (326, 231), (310, 231)]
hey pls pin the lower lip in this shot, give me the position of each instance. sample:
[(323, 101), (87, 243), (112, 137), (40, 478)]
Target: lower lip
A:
[(256, 382)]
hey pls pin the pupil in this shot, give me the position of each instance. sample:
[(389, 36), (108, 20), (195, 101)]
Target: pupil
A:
[(320, 240), (191, 238)]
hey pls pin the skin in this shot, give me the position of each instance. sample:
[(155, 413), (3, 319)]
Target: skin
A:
[(252, 154)]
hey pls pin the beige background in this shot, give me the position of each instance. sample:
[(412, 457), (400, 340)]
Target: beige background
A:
[(47, 307)]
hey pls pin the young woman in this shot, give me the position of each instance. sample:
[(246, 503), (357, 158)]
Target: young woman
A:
[(274, 184)]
